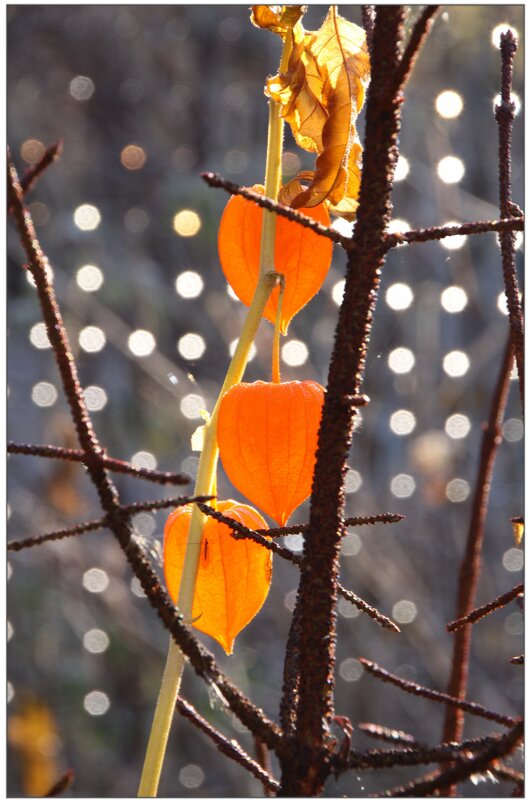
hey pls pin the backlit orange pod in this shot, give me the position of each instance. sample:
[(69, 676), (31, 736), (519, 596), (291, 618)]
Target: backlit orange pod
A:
[(233, 577), (302, 256), (267, 436)]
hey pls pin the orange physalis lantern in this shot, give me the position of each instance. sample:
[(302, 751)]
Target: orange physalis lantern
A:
[(302, 256), (233, 578), (267, 435)]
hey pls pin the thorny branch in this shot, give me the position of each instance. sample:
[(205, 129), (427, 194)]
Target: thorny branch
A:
[(103, 522), (385, 734), (242, 532), (509, 223), (470, 567), (504, 114), (434, 695), (477, 614), (32, 174), (228, 747), (462, 769), (418, 36), (317, 594), (202, 661), (115, 465)]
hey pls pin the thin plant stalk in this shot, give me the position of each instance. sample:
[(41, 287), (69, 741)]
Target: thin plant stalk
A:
[(206, 476), (275, 357)]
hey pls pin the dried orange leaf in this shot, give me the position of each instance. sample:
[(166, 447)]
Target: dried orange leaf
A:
[(301, 256), (276, 18), (518, 529), (267, 435), (233, 578), (320, 95)]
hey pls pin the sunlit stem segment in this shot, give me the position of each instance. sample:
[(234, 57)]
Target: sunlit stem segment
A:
[(275, 353), (206, 477)]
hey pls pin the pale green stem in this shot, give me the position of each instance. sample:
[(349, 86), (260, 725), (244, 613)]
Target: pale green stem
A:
[(275, 352), (205, 479)]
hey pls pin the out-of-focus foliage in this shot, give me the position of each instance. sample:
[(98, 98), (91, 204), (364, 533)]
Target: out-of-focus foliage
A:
[(145, 97)]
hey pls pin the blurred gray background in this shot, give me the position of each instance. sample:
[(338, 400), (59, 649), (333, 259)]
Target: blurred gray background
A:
[(145, 98)]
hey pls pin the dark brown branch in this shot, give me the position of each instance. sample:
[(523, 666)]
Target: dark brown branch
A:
[(385, 734), (507, 774), (477, 614), (104, 522), (63, 784), (317, 596), (371, 611), (463, 229), (504, 114), (201, 660), (419, 754), (434, 695), (470, 567), (32, 174), (116, 465), (215, 180), (418, 36), (228, 747), (517, 660), (263, 759), (368, 20), (300, 528), (73, 531), (242, 532), (462, 769)]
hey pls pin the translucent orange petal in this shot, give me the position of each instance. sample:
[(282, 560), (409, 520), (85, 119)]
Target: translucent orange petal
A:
[(233, 578), (267, 435), (300, 254)]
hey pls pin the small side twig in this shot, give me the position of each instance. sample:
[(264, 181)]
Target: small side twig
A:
[(419, 754), (103, 522), (436, 232), (462, 769), (215, 180), (228, 747), (477, 614), (385, 734), (242, 532), (434, 695), (300, 528), (115, 465), (418, 35), (32, 174), (64, 783), (517, 660)]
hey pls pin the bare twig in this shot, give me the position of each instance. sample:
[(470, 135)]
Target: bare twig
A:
[(434, 695), (243, 532), (317, 595), (215, 180), (201, 660), (104, 522), (470, 567), (517, 660), (115, 465), (477, 614), (32, 174), (504, 114), (228, 747), (463, 229), (418, 36), (301, 528), (462, 769), (419, 754), (385, 734), (263, 759), (73, 531), (64, 783)]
